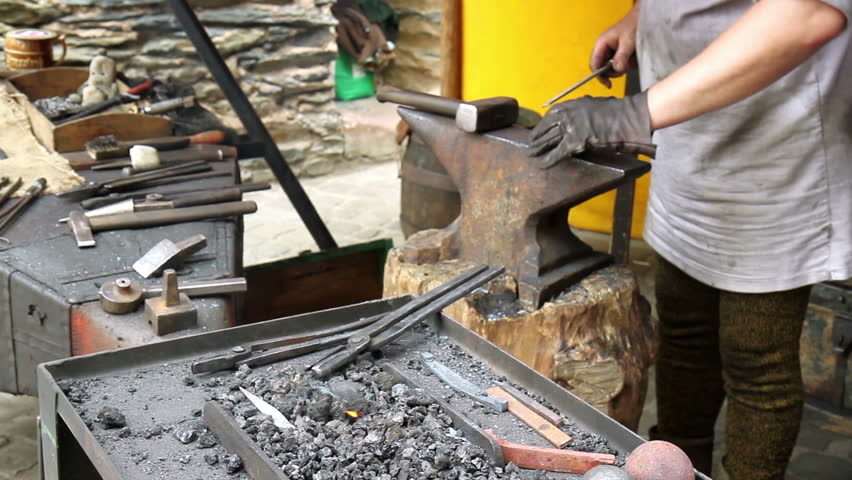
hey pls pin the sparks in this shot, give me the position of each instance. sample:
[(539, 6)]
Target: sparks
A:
[(353, 413)]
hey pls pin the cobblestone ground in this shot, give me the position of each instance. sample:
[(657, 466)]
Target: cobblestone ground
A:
[(357, 206), (18, 448)]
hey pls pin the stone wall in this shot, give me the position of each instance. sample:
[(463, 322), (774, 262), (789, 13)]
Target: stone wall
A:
[(418, 56), (280, 50)]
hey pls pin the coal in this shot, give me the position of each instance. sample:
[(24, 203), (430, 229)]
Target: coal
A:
[(111, 417), (211, 459), (206, 440), (233, 463), (186, 436)]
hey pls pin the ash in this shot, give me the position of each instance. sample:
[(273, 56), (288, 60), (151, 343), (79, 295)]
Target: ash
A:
[(400, 432)]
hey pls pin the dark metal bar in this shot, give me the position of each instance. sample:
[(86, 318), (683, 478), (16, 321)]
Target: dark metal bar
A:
[(256, 463), (252, 123), (622, 220)]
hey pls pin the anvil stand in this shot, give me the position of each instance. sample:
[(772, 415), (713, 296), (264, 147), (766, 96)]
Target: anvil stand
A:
[(252, 123), (515, 214)]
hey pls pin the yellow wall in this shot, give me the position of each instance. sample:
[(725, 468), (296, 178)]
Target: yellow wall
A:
[(534, 49)]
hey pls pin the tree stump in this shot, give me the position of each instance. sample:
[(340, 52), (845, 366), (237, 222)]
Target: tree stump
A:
[(596, 339)]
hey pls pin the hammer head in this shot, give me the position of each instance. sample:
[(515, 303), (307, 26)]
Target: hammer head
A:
[(81, 228), (487, 114)]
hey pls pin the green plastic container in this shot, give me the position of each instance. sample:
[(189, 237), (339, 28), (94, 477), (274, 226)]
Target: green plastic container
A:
[(350, 80)]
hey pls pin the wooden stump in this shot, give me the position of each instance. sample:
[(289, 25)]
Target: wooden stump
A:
[(596, 339)]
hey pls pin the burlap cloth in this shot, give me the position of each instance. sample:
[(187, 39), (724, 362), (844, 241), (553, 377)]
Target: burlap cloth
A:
[(28, 159)]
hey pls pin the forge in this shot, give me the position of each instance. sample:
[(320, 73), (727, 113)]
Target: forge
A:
[(409, 423)]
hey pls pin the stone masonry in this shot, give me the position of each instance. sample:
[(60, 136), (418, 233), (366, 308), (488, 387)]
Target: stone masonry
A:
[(281, 51)]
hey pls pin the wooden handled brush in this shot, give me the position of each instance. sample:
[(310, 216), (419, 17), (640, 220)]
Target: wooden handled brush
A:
[(108, 146)]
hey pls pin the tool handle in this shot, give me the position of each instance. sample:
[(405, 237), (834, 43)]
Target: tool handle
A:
[(155, 218), (421, 101), (205, 198), (210, 136), (141, 178), (168, 105), (142, 87)]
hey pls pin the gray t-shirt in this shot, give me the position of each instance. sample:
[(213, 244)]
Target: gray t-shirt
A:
[(756, 197)]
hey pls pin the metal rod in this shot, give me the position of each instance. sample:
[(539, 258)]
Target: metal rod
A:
[(582, 82), (421, 101), (203, 288), (252, 123)]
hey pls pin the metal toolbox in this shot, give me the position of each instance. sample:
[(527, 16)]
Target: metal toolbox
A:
[(70, 450)]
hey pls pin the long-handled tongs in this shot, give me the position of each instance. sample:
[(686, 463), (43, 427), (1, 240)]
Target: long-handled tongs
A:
[(348, 341)]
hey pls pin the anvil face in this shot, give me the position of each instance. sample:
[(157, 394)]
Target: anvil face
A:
[(515, 214)]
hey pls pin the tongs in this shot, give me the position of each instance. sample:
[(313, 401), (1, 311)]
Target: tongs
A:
[(268, 351), (133, 181), (348, 341)]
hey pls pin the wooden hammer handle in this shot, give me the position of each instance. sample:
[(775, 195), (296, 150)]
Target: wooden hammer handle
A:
[(421, 101), (155, 218)]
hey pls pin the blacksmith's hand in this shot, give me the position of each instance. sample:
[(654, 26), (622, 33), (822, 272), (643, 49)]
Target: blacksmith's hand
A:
[(571, 127)]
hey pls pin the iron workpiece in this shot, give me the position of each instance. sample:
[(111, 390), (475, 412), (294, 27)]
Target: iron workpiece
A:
[(168, 254), (121, 296)]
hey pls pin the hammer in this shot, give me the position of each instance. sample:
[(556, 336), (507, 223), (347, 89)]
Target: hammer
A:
[(83, 227), (474, 117)]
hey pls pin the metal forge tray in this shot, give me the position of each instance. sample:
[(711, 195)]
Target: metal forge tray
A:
[(70, 450)]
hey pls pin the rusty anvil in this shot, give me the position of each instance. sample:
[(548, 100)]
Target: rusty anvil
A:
[(515, 214)]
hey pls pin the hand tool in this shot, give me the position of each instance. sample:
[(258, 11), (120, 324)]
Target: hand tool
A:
[(549, 415), (172, 311), (168, 105), (174, 156), (11, 190), (278, 418), (107, 146), (474, 117), (99, 188), (268, 351), (535, 421), (124, 295), (130, 95), (167, 254), (82, 227), (92, 203), (32, 192), (551, 459), (156, 202), (180, 179), (462, 385), (601, 71), (374, 337), (519, 221), (4, 180)]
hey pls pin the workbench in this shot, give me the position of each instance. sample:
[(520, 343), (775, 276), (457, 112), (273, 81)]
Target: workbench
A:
[(49, 305)]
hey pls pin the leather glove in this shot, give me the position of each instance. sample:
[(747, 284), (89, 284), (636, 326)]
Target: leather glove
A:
[(571, 127)]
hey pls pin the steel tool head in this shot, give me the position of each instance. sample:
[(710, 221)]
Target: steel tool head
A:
[(81, 228), (487, 114), (168, 254)]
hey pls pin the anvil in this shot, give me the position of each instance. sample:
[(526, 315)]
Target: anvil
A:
[(515, 214)]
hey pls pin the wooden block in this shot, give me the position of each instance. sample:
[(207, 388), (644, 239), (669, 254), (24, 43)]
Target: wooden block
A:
[(538, 408), (535, 421), (551, 459)]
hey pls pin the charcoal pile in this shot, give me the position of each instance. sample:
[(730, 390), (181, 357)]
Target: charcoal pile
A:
[(361, 425)]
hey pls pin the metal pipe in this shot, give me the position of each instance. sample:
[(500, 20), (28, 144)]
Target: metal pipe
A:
[(252, 123)]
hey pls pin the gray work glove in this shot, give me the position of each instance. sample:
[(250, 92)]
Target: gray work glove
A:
[(571, 127)]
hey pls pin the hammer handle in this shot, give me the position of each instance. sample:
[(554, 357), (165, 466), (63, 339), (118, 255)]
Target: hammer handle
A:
[(229, 194), (154, 218), (421, 101)]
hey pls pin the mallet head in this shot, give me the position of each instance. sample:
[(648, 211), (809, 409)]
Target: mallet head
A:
[(487, 114)]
